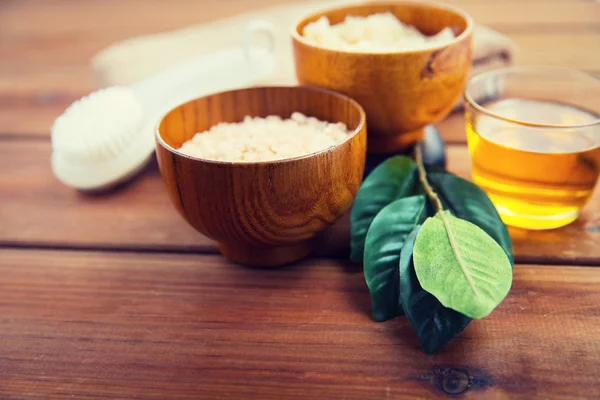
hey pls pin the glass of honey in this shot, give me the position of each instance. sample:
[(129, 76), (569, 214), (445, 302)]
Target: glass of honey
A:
[(534, 140)]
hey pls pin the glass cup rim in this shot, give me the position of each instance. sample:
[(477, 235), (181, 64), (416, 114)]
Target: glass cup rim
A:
[(502, 71)]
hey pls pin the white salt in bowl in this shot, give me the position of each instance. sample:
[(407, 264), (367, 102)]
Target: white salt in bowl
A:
[(264, 213), (403, 90)]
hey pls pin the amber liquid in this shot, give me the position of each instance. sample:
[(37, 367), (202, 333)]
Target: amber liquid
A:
[(538, 178)]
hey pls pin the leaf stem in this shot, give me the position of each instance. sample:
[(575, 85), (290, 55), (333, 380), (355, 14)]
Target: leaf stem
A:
[(440, 208), (423, 178)]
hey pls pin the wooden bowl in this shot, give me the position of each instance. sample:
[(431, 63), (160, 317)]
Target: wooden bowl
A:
[(401, 92), (263, 213)]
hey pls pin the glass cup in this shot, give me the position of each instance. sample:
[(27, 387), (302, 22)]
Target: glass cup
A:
[(534, 139)]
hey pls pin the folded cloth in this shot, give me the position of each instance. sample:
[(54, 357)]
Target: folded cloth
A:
[(130, 60), (491, 50)]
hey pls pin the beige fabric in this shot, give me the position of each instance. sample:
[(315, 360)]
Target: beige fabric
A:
[(130, 60), (491, 50)]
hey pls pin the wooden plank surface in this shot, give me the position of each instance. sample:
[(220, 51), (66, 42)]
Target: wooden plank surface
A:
[(36, 210), (122, 326), (70, 45), (30, 102), (157, 323), (46, 46), (29, 19)]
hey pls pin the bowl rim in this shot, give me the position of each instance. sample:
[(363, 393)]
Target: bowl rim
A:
[(355, 4), (361, 125)]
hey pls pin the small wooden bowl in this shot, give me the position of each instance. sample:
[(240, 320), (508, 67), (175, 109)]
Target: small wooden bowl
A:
[(264, 213), (401, 92)]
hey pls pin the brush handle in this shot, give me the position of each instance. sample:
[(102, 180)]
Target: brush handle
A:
[(206, 74)]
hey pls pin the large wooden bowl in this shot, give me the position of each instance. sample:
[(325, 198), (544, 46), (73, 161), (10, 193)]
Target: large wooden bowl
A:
[(401, 92), (265, 213)]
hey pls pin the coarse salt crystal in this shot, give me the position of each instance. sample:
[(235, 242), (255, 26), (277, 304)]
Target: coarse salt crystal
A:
[(379, 32), (265, 139)]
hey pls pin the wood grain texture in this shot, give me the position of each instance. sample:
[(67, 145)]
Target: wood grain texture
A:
[(30, 18), (47, 95), (263, 213), (84, 325), (31, 98), (560, 50), (121, 326), (46, 45), (400, 92), (573, 48), (36, 210)]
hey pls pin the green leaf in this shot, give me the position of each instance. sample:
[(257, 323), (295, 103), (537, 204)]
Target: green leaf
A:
[(382, 253), (469, 202), (434, 324), (461, 265), (391, 180)]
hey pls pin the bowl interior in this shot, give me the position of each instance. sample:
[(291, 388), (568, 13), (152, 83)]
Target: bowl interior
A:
[(198, 115), (429, 18)]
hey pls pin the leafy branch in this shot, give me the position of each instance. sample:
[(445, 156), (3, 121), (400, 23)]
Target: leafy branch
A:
[(440, 266)]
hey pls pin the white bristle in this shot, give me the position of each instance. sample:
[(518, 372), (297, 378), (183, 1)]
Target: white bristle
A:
[(98, 126)]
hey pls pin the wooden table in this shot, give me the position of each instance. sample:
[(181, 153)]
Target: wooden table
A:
[(115, 296)]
